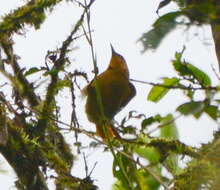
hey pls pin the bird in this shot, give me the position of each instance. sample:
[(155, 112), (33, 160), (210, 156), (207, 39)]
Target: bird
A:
[(107, 94)]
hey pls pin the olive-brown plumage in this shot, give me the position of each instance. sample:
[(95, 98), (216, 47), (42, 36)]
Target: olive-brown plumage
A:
[(115, 92)]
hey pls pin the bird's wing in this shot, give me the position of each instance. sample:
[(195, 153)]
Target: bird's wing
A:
[(86, 89), (129, 95)]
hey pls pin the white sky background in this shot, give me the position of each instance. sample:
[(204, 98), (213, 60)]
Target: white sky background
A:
[(120, 22)]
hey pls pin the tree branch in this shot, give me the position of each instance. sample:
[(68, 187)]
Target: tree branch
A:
[(175, 87), (27, 89), (31, 13)]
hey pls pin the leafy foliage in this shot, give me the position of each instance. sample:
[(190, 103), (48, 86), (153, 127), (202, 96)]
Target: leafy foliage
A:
[(188, 70), (31, 133), (158, 92), (164, 25), (196, 12), (191, 107), (202, 172)]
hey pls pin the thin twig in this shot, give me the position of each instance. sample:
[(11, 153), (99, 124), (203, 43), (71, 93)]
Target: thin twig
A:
[(108, 143), (175, 87), (74, 121), (90, 173), (164, 124), (58, 65), (85, 163), (89, 134), (216, 74), (99, 98)]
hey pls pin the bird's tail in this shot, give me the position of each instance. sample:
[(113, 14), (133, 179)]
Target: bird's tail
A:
[(107, 131)]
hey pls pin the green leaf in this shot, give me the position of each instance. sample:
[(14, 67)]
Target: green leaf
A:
[(198, 114), (169, 129), (158, 92), (149, 153), (161, 28), (63, 83), (201, 76), (172, 164), (191, 107), (123, 170), (149, 121), (187, 69), (212, 111), (179, 66), (147, 181), (32, 71), (190, 93), (118, 186)]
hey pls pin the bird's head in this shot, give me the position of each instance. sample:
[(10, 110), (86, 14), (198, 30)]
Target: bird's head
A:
[(118, 63)]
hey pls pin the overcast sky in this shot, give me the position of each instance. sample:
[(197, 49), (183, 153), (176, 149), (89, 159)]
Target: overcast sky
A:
[(120, 22)]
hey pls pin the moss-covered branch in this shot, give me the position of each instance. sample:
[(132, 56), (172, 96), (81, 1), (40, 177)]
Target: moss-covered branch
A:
[(24, 160), (32, 13), (19, 81), (202, 172)]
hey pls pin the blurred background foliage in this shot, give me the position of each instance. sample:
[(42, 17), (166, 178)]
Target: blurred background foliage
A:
[(32, 141)]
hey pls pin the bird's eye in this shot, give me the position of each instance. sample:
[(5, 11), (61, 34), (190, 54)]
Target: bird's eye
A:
[(122, 57)]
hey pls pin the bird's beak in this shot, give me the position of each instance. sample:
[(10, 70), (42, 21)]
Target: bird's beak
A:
[(113, 50)]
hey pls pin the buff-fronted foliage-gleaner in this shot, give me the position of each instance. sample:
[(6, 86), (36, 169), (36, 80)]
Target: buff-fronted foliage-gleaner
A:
[(114, 92)]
